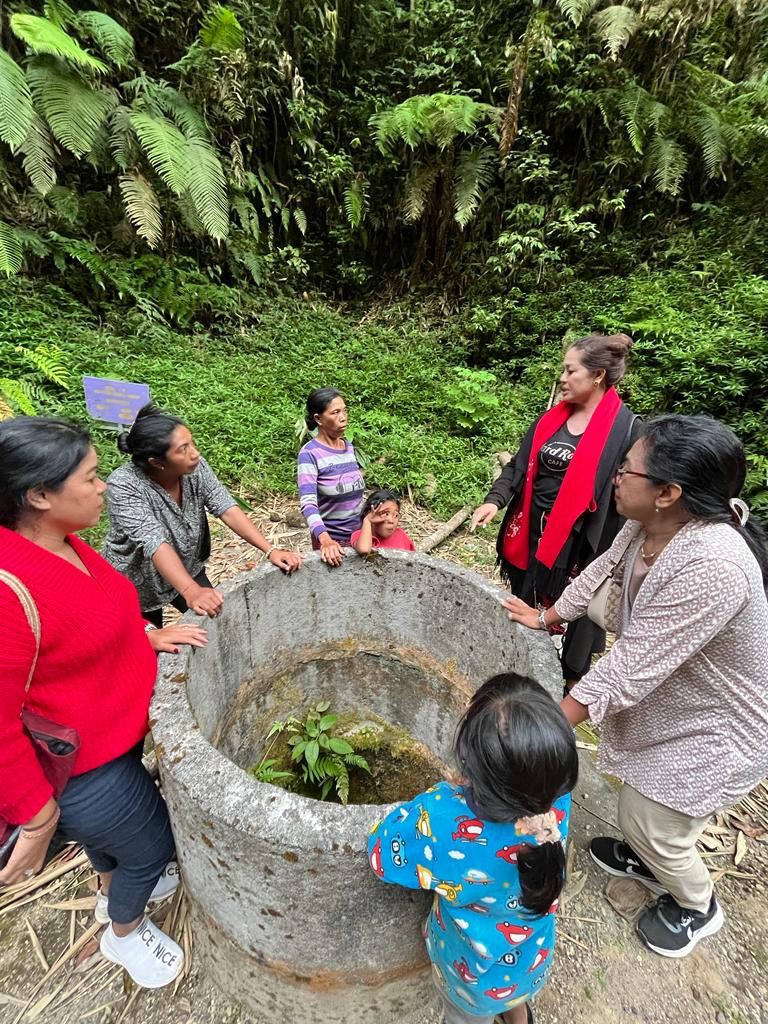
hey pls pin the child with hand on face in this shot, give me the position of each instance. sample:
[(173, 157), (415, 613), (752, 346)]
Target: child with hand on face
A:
[(381, 525)]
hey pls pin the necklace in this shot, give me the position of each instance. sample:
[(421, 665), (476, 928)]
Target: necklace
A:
[(648, 555)]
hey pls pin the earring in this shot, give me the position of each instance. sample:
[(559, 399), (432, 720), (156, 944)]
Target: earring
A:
[(656, 508)]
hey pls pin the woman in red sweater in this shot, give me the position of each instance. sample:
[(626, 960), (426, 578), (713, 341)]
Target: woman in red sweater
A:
[(95, 672)]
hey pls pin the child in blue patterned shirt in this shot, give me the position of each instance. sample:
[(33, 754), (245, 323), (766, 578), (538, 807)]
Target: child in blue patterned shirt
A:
[(492, 849)]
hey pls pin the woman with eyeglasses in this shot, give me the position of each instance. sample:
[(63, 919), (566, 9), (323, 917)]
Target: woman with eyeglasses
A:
[(558, 489), (682, 696)]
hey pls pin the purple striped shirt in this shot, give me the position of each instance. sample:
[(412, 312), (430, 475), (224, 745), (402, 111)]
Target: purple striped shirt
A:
[(331, 490)]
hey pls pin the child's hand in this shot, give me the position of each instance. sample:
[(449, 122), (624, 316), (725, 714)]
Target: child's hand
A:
[(376, 516)]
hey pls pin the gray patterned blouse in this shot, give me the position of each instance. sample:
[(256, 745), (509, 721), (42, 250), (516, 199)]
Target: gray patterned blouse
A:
[(683, 693), (142, 516)]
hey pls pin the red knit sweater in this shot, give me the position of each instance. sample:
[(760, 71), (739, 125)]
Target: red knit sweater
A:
[(95, 672)]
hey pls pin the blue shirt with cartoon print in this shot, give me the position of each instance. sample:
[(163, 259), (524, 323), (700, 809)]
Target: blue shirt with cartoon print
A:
[(488, 952)]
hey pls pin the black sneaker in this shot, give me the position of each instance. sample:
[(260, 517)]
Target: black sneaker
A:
[(672, 930), (617, 858)]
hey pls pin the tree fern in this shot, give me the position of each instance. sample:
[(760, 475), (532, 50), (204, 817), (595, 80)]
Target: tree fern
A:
[(208, 188), (111, 38), (221, 31), (16, 110), (642, 113), (437, 118), (122, 138), (668, 163), (577, 10), (474, 173), (73, 109), (142, 207), (418, 186), (165, 147), (43, 36), (11, 250), (616, 25), (709, 132)]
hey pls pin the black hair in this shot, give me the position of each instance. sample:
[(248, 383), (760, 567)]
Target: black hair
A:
[(605, 352), (378, 497), (36, 451), (517, 754), (317, 403), (706, 459), (150, 435)]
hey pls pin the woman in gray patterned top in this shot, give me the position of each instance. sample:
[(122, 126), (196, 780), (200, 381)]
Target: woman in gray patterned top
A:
[(683, 694), (158, 531)]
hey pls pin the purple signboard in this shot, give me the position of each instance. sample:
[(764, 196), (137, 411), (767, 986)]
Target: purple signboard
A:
[(114, 401)]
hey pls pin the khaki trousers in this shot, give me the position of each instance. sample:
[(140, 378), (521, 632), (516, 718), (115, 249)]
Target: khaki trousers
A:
[(665, 840)]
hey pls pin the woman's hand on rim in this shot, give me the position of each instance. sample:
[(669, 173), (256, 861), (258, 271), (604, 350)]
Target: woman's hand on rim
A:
[(288, 561), (168, 638), (519, 611), (331, 553)]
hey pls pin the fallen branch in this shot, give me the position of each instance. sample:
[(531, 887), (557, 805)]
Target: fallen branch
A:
[(443, 532)]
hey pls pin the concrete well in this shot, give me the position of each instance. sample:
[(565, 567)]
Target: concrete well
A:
[(288, 918)]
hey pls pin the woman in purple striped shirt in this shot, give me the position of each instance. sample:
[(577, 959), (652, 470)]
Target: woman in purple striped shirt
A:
[(331, 487)]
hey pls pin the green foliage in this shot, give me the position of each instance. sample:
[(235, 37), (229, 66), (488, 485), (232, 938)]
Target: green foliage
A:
[(109, 36), (44, 36), (221, 31), (323, 759), (32, 371), (16, 110), (470, 396)]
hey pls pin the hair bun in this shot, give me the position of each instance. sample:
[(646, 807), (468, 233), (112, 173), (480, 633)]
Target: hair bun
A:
[(123, 442), (620, 342)]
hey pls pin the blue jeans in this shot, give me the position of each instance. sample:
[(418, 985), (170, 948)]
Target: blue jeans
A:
[(117, 814)]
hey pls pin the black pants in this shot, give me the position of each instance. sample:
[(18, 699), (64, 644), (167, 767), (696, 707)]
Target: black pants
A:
[(156, 615), (117, 814)]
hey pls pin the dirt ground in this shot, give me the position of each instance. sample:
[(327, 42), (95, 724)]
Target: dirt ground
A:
[(602, 974)]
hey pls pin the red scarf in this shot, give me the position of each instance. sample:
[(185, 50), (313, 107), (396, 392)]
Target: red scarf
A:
[(577, 491)]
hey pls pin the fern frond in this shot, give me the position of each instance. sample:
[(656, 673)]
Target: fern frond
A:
[(171, 103), (708, 130), (474, 173), (418, 186), (641, 113), (73, 109), (165, 147), (342, 787), (11, 250), (39, 156), (66, 203), (300, 219), (85, 254), (50, 361), (577, 10), (221, 31), (16, 111), (354, 202), (111, 38), (208, 188), (19, 394), (59, 12), (142, 207), (616, 25), (122, 139), (43, 36), (356, 761), (668, 164)]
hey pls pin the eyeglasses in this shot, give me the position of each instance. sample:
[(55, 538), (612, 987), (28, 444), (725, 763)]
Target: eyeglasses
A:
[(623, 471)]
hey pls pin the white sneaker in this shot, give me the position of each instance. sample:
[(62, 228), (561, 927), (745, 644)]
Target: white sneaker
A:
[(150, 957), (166, 884)]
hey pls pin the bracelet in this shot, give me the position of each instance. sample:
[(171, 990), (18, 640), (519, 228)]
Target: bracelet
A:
[(542, 623), (269, 551), (148, 627)]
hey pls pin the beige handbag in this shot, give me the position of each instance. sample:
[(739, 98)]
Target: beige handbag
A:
[(603, 607)]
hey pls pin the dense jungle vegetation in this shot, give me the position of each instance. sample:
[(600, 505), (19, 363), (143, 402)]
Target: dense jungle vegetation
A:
[(415, 200)]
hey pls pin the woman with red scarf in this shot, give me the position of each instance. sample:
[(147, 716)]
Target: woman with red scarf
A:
[(558, 489)]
